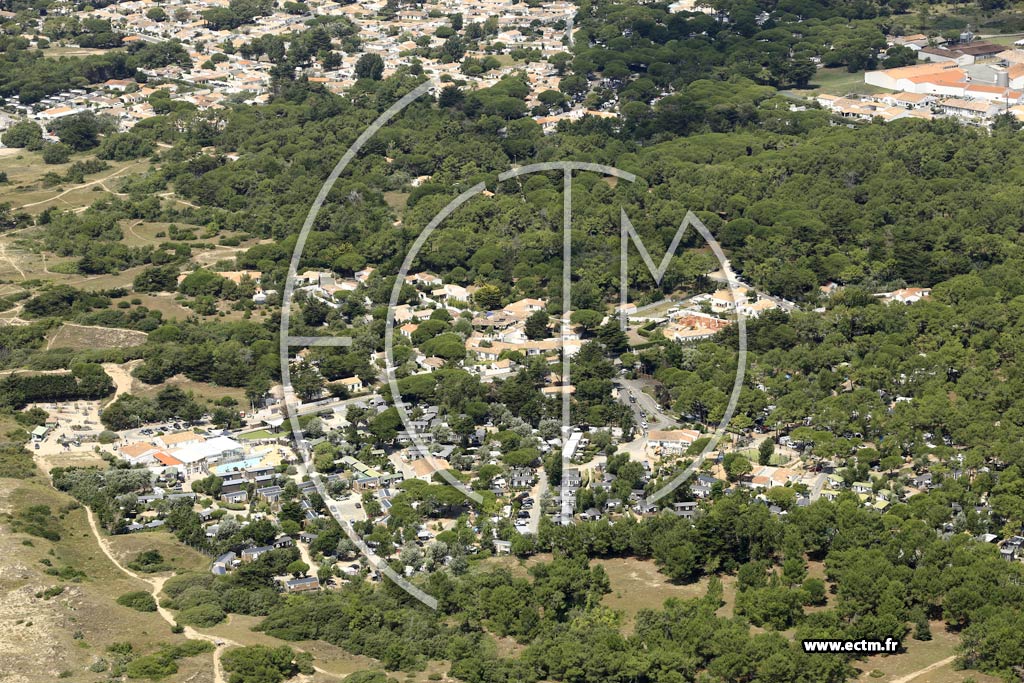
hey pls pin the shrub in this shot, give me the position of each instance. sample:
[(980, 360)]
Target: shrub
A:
[(51, 592), (16, 462), (202, 615), (258, 663), (56, 153), (37, 520), (140, 601), (149, 561), (190, 648), (151, 666)]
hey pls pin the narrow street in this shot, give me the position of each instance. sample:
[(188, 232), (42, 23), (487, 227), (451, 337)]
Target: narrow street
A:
[(537, 493), (645, 407)]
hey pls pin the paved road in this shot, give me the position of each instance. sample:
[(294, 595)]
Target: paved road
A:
[(335, 404), (537, 493), (145, 37), (568, 493), (655, 417), (819, 483)]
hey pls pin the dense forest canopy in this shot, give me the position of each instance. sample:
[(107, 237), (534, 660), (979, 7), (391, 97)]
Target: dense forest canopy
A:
[(796, 201)]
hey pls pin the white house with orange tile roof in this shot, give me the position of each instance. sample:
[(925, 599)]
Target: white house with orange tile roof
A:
[(968, 109), (672, 440), (353, 384), (907, 295), (166, 459), (726, 300), (692, 327), (139, 452), (424, 278), (179, 439), (767, 476), (524, 307), (451, 292), (900, 78), (755, 309), (237, 276)]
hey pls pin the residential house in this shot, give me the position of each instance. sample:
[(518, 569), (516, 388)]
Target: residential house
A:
[(755, 309), (521, 477), (235, 497), (253, 553), (907, 295), (179, 439), (672, 440), (271, 494), (139, 453), (923, 481), (225, 563), (353, 385), (572, 478), (424, 278), (702, 485), (862, 487), (523, 308), (451, 293), (686, 509), (302, 584), (233, 484), (726, 300)]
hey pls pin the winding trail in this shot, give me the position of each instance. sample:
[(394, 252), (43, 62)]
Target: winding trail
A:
[(131, 229), (156, 585), (98, 181), (178, 199), (10, 259)]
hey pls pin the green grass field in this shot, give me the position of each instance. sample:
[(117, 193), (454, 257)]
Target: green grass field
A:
[(918, 656), (203, 390), (57, 51), (1007, 39), (178, 555), (328, 657), (163, 302), (396, 200), (285, 430), (838, 82), (638, 585), (25, 191)]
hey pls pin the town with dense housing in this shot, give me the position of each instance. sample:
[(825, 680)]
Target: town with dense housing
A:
[(425, 341)]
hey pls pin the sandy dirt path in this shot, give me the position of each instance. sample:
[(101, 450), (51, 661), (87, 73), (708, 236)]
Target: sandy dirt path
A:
[(920, 672), (121, 375), (156, 585), (98, 181)]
